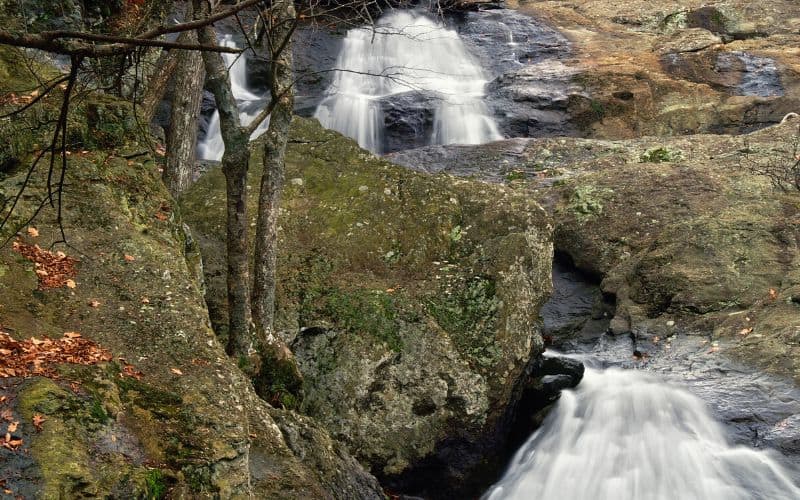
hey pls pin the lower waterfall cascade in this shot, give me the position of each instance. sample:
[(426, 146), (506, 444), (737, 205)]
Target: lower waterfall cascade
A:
[(627, 434)]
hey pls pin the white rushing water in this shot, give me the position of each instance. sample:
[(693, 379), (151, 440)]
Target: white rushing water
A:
[(626, 434), (250, 105), (407, 51)]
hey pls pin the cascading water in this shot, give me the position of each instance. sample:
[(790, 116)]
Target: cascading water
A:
[(249, 103), (625, 434), (407, 51)]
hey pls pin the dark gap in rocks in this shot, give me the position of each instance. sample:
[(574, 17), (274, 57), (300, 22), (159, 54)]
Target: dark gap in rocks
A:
[(578, 309)]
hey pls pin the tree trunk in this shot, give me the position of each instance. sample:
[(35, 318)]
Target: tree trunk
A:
[(241, 341), (280, 371), (182, 133), (157, 84)]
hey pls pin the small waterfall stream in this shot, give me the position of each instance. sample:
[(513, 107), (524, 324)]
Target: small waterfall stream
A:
[(250, 105), (626, 434), (407, 52)]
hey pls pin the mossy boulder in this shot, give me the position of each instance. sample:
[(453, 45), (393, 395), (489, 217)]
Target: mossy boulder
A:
[(192, 426), (410, 300)]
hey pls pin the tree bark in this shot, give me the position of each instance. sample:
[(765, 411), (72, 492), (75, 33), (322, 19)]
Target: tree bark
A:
[(182, 133), (241, 341), (280, 371), (157, 84)]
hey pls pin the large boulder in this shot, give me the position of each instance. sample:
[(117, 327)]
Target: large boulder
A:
[(410, 301)]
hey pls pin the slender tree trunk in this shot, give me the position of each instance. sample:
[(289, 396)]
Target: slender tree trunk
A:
[(182, 133), (157, 84), (279, 364), (241, 342)]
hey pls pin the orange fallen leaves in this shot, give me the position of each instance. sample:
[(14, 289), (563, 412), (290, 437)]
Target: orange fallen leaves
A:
[(131, 371), (33, 232), (39, 356), (38, 419), (53, 270), (773, 294), (9, 441), (129, 258), (176, 371)]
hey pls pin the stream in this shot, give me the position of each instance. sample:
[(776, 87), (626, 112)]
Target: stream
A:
[(654, 418)]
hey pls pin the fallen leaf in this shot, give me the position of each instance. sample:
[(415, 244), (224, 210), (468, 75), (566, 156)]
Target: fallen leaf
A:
[(37, 421), (72, 335), (745, 331), (161, 216), (129, 258), (33, 232), (94, 303), (773, 294), (176, 371), (12, 427), (70, 283)]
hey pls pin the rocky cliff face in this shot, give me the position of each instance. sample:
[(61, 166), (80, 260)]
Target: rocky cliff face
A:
[(410, 301)]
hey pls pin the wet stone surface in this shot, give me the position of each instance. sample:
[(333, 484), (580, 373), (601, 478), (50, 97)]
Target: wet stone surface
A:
[(759, 410)]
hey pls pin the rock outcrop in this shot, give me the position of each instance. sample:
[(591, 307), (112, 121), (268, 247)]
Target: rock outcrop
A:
[(682, 231), (410, 301)]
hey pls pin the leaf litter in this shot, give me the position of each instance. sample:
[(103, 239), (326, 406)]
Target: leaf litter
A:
[(54, 270)]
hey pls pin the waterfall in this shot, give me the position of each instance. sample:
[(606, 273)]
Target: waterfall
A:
[(625, 434), (249, 103), (407, 51)]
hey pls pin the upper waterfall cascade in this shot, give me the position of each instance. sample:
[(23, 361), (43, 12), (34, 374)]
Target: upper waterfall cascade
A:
[(407, 51), (250, 105), (625, 434)]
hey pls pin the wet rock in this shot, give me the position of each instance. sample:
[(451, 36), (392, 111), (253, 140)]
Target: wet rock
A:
[(408, 120), (535, 101)]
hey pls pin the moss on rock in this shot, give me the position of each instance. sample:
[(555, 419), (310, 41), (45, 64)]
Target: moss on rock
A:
[(409, 300)]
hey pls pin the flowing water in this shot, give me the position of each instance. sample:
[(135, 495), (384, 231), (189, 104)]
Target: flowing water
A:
[(626, 434), (407, 52), (250, 105), (677, 421)]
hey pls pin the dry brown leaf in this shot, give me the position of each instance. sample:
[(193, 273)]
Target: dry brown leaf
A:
[(176, 371), (12, 427), (773, 294), (129, 258), (37, 421), (72, 335), (33, 232), (94, 303), (70, 284)]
